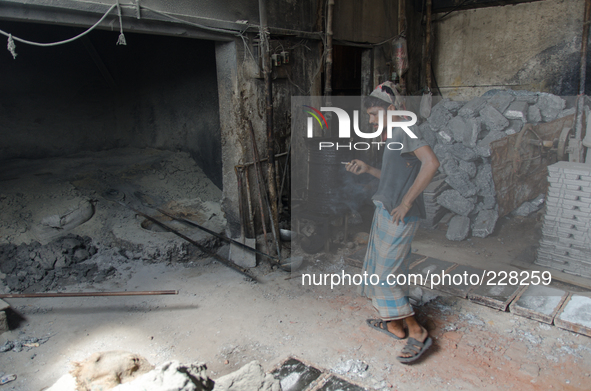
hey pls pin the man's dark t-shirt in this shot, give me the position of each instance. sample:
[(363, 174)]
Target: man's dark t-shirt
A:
[(399, 171)]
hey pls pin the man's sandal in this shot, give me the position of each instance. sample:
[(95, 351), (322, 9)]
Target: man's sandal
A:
[(415, 348), (382, 326)]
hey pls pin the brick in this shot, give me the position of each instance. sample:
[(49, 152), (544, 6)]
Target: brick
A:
[(492, 119), (458, 128), (526, 96), (517, 110), (501, 101), (452, 106), (468, 167), (473, 107), (444, 136), (550, 106), (453, 200), (463, 153), (515, 126), (484, 180), (460, 181), (458, 229), (439, 117), (474, 127), (485, 223), (533, 115)]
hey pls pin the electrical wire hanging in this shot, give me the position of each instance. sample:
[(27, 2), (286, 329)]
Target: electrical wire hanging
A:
[(11, 45)]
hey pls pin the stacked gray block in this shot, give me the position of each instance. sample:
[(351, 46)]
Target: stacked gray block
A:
[(566, 234), (458, 229), (433, 210), (461, 134), (485, 222), (453, 200)]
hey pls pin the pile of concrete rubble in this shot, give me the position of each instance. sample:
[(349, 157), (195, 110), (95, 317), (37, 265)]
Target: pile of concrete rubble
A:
[(38, 268), (125, 371), (460, 134)]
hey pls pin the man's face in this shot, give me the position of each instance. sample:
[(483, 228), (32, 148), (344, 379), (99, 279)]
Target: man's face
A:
[(375, 113)]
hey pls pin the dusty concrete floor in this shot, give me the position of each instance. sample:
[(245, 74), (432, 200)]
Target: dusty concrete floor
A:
[(225, 321)]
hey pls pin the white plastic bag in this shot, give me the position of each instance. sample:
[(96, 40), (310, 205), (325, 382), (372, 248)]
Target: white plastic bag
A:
[(426, 102)]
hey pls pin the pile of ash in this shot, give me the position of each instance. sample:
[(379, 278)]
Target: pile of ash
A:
[(38, 268)]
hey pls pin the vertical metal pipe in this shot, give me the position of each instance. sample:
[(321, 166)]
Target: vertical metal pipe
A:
[(264, 32), (428, 45), (585, 39), (401, 29), (240, 203), (328, 68), (253, 232)]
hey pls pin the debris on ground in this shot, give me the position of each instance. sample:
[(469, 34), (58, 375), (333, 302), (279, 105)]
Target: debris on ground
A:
[(105, 370), (23, 343)]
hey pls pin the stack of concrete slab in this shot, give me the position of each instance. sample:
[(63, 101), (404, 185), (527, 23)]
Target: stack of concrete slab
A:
[(566, 234), (434, 211), (460, 134)]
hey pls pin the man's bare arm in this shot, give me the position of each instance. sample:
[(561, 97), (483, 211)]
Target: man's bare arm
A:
[(358, 167), (429, 166)]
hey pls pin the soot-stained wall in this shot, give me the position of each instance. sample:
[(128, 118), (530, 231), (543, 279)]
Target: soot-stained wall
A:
[(530, 46), (91, 94)]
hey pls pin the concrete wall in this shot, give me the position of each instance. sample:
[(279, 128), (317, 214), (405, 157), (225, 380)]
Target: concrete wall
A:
[(532, 46), (242, 101), (369, 21), (158, 92)]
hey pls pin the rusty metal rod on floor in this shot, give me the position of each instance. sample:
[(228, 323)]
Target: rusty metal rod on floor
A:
[(217, 235), (85, 294), (221, 259)]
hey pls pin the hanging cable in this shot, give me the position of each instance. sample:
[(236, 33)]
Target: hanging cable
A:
[(11, 39), (121, 40)]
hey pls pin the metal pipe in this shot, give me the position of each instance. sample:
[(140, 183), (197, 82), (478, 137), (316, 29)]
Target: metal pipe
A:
[(328, 63), (240, 203), (260, 161), (285, 170), (250, 210), (401, 29), (221, 259), (272, 182), (85, 294), (274, 227), (217, 235), (259, 187), (428, 45), (585, 39)]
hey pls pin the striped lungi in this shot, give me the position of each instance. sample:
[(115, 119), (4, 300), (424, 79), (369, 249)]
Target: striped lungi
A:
[(389, 245)]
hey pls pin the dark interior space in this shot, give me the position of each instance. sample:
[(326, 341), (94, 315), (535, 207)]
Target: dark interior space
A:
[(92, 95), (346, 73)]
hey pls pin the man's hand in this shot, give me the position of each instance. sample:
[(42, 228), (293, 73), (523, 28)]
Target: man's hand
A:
[(357, 167), (399, 212)]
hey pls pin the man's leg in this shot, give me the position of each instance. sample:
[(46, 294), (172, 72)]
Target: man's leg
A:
[(416, 331), (396, 327)]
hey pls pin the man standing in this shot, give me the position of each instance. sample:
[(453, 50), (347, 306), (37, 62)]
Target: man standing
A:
[(404, 174)]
